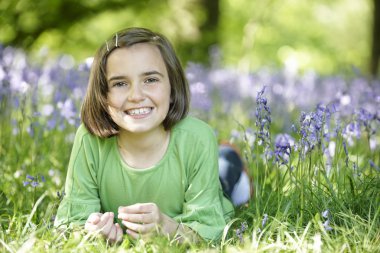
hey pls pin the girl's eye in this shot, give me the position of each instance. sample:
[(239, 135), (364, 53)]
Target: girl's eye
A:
[(119, 84), (151, 80)]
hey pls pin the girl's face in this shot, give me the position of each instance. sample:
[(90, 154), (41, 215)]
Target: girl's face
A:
[(139, 88)]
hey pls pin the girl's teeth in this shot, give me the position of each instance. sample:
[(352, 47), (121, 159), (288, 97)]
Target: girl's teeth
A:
[(139, 111)]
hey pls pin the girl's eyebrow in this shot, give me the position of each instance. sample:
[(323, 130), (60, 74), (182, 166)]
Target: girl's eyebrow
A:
[(153, 72), (116, 78), (148, 73)]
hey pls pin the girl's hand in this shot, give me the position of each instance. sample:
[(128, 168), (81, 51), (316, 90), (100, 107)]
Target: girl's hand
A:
[(145, 218), (141, 219), (103, 224)]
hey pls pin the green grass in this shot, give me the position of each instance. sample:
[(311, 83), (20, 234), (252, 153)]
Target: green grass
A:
[(293, 196)]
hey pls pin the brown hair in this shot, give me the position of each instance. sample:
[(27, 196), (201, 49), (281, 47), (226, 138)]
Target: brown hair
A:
[(94, 111)]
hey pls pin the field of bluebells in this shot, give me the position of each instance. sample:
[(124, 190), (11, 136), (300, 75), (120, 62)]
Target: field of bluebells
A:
[(311, 145)]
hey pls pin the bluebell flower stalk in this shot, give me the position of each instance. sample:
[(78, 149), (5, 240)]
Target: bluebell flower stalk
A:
[(263, 122)]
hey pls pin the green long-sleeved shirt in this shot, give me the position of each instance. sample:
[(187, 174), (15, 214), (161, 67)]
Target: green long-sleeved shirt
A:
[(184, 183)]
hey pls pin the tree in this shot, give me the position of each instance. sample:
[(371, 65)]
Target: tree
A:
[(375, 52), (23, 21)]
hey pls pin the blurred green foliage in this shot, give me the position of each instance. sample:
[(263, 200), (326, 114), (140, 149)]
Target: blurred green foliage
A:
[(327, 36)]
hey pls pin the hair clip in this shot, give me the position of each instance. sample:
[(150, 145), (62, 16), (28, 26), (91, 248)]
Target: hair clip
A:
[(156, 37), (116, 44), (108, 49)]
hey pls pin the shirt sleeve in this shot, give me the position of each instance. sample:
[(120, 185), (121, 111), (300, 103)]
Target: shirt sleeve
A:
[(81, 189), (206, 211)]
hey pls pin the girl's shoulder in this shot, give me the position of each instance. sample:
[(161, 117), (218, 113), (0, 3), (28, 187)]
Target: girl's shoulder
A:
[(195, 129), (193, 125), (85, 137)]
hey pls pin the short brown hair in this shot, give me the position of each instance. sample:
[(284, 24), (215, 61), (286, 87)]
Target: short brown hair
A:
[(94, 111)]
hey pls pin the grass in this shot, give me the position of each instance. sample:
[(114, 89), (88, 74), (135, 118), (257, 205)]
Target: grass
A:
[(325, 198), (293, 196)]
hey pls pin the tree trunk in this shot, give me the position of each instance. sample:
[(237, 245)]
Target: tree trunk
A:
[(375, 54), (198, 51)]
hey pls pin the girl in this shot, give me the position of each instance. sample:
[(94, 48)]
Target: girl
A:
[(138, 158)]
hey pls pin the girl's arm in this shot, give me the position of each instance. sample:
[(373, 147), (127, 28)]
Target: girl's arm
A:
[(81, 196)]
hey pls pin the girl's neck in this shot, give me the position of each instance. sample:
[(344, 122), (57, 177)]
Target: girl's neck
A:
[(143, 150)]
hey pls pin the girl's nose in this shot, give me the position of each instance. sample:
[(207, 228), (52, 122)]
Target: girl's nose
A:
[(135, 94)]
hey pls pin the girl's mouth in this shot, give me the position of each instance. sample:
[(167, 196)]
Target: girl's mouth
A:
[(139, 111)]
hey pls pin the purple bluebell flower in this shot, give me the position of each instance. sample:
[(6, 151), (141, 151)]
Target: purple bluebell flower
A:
[(200, 87), (326, 225), (34, 184), (263, 121), (239, 232), (368, 120), (312, 128), (352, 130), (374, 166), (283, 148), (200, 97), (30, 177), (264, 220), (325, 214), (33, 181), (68, 110)]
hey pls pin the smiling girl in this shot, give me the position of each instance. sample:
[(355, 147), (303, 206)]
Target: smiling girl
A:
[(139, 164)]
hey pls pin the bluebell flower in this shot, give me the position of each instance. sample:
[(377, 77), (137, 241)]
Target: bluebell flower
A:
[(365, 117), (368, 120), (264, 220), (325, 214), (283, 147), (312, 128), (33, 181), (239, 232), (263, 122), (373, 165), (30, 177), (352, 130), (326, 225), (68, 110)]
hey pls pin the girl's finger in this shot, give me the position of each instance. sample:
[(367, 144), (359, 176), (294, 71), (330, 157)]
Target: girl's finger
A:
[(104, 219), (139, 228), (112, 234), (94, 218), (133, 234), (138, 208), (119, 233), (91, 227), (106, 229), (138, 218)]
